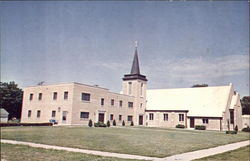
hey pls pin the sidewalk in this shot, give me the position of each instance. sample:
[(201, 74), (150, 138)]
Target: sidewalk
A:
[(180, 157)]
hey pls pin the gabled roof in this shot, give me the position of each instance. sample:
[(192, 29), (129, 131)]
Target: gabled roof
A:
[(202, 101), (3, 113)]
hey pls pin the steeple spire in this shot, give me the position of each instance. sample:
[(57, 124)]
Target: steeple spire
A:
[(135, 66), (135, 70)]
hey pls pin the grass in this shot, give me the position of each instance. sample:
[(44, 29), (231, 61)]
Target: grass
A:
[(241, 154), (156, 142), (25, 153)]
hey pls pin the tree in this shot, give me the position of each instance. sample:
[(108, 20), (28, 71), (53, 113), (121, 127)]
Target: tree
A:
[(11, 98), (123, 123), (199, 85), (114, 123), (108, 124), (132, 123), (245, 103), (90, 123)]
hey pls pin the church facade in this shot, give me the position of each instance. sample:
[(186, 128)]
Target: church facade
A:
[(76, 103)]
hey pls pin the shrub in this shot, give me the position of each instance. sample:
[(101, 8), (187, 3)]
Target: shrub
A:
[(180, 126), (90, 123), (236, 128), (25, 124), (108, 123), (132, 123), (114, 123), (100, 124), (231, 132), (200, 127), (123, 123), (246, 129)]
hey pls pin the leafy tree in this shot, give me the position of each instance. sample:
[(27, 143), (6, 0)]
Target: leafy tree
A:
[(245, 103), (11, 98), (199, 85)]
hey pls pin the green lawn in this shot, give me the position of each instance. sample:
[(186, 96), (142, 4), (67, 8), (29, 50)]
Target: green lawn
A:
[(11, 152), (155, 142), (241, 154)]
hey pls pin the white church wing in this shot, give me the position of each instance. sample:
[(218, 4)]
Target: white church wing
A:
[(202, 101)]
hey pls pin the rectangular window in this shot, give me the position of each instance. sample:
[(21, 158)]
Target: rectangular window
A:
[(231, 116), (120, 117), (151, 116), (40, 96), (53, 114), (129, 88), (29, 113), (111, 116), (141, 89), (31, 96), (38, 114), (120, 103), (112, 102), (130, 118), (181, 117), (130, 104), (66, 95), (165, 117), (85, 96), (64, 115), (205, 121), (102, 101), (54, 95), (84, 115)]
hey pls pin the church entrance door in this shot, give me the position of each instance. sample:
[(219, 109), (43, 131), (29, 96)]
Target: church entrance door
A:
[(140, 120), (191, 122), (101, 117)]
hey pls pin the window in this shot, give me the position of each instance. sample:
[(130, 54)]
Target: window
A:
[(54, 95), (205, 121), (53, 114), (85, 96), (112, 102), (29, 113), (151, 116), (120, 103), (141, 89), (130, 104), (120, 117), (111, 116), (38, 114), (129, 88), (181, 117), (66, 95), (84, 115), (102, 101), (130, 118), (232, 116), (141, 105), (31, 96), (165, 117), (40, 95), (64, 115)]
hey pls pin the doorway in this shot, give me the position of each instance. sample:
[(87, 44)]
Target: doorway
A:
[(141, 120), (191, 122), (101, 117)]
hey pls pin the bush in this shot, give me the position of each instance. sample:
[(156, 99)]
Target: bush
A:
[(231, 132), (246, 129), (200, 127), (108, 123), (25, 124), (100, 124), (114, 123), (123, 123), (180, 126), (90, 123), (132, 123), (236, 128)]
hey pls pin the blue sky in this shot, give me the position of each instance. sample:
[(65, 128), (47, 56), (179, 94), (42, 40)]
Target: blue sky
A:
[(179, 43)]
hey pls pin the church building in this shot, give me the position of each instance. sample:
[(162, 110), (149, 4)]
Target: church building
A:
[(75, 104)]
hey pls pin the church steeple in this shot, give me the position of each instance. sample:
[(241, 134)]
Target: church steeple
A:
[(135, 67), (135, 70)]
